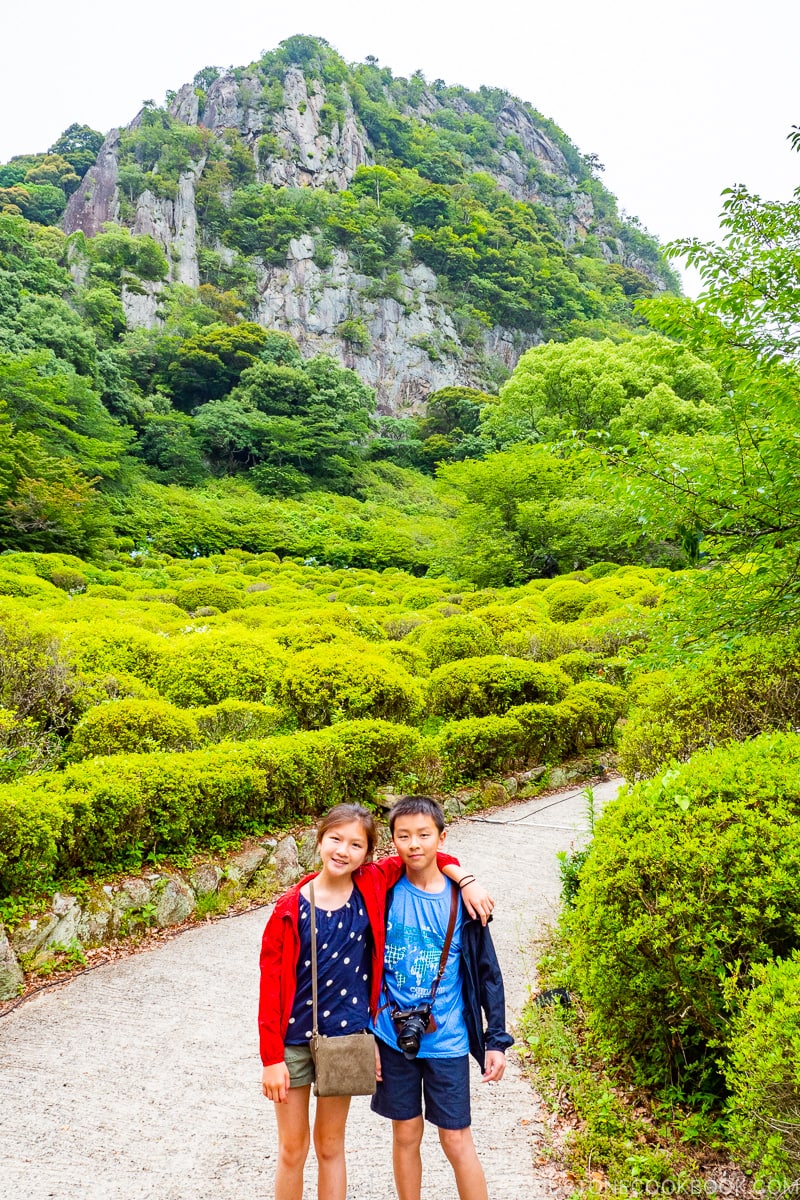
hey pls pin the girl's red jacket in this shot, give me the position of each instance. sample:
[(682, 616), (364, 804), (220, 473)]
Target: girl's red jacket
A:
[(280, 949)]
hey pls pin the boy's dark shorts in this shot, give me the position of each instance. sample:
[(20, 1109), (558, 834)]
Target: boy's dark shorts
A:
[(444, 1082)]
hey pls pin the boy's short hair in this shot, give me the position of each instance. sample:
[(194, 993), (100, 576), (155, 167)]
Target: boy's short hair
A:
[(412, 806)]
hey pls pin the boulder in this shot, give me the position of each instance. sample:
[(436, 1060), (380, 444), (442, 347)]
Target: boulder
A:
[(242, 867), (11, 977), (205, 879), (307, 855), (175, 904), (99, 919), (494, 793)]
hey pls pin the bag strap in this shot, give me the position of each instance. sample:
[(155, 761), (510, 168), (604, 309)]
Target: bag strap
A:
[(315, 1031), (451, 928)]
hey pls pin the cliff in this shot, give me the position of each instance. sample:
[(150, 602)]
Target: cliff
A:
[(220, 178)]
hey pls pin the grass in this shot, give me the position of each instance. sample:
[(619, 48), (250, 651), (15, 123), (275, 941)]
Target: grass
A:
[(619, 1138)]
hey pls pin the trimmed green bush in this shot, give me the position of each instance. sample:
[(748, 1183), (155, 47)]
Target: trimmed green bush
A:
[(31, 824), (597, 707), (26, 585), (723, 696), (691, 878), (578, 664), (109, 648), (479, 746), (205, 668), (480, 687), (133, 726), (567, 598), (238, 720), (455, 638), (763, 1073), (322, 686), (205, 593), (111, 812), (547, 732)]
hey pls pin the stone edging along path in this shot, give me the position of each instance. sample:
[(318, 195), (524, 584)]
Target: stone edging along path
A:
[(140, 1081)]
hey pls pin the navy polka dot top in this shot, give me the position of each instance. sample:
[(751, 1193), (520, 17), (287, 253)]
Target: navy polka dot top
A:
[(344, 946)]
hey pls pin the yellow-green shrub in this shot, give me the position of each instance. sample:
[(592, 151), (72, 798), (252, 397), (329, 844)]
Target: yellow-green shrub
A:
[(566, 599), (479, 746), (597, 707), (763, 1074), (479, 687), (26, 585), (124, 726), (321, 686), (109, 648), (204, 593), (109, 812), (31, 826), (239, 720), (724, 695), (691, 879), (205, 668), (454, 638), (547, 732)]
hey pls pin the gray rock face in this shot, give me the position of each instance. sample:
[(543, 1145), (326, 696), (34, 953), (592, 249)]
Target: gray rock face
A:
[(175, 904), (97, 199), (284, 862), (99, 919), (59, 927), (205, 880), (307, 856), (414, 346), (242, 866), (11, 977)]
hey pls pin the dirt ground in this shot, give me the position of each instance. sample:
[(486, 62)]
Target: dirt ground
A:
[(141, 1080)]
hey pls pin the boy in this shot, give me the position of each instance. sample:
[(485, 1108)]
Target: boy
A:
[(434, 1059)]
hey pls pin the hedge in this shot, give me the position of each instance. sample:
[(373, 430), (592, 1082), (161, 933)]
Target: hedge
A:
[(125, 726), (723, 696), (111, 812), (480, 687), (690, 879), (322, 685), (763, 1072)]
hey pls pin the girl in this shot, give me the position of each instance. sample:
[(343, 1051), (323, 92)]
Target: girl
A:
[(350, 897)]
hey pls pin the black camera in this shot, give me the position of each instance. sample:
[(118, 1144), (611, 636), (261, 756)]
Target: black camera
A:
[(410, 1024)]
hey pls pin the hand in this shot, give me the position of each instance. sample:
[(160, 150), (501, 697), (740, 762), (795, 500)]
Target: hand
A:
[(378, 1072), (495, 1066), (478, 901), (275, 1082)]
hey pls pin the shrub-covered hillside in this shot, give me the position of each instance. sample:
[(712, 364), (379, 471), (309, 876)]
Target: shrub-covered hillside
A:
[(154, 706)]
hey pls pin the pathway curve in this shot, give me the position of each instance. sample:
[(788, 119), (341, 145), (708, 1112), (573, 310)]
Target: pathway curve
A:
[(141, 1081)]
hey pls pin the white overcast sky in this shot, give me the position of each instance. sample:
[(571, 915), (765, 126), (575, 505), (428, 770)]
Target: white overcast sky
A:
[(679, 99)]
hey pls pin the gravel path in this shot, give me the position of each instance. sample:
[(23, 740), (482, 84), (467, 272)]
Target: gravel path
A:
[(141, 1080)]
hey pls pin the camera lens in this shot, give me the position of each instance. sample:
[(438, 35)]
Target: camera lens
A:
[(410, 1035)]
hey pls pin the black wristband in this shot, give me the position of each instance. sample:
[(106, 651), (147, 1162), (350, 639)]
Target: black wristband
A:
[(467, 879)]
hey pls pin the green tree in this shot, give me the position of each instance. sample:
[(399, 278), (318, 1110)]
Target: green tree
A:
[(79, 144), (646, 383), (736, 494)]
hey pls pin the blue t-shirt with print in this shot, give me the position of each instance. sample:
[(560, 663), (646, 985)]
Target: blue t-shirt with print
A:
[(344, 946), (416, 928)]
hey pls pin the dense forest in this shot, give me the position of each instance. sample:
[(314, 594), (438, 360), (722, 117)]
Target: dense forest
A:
[(237, 581)]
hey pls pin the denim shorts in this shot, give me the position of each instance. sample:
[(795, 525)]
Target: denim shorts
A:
[(444, 1082)]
